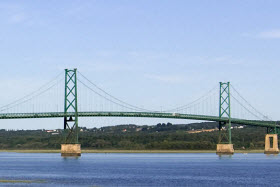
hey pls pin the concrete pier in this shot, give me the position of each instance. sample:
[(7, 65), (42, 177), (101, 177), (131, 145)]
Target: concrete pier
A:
[(271, 147), (225, 149), (71, 150)]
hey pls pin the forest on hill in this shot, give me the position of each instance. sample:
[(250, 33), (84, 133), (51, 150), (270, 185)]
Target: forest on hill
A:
[(194, 136)]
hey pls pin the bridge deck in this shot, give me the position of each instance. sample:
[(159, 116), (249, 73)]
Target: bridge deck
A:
[(139, 114)]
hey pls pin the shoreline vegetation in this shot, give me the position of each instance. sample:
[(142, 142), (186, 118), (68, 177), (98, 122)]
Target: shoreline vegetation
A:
[(130, 138), (129, 151)]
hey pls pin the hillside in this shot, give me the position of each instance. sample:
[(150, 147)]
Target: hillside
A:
[(195, 136)]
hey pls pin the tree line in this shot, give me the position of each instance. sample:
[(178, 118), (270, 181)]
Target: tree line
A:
[(133, 137)]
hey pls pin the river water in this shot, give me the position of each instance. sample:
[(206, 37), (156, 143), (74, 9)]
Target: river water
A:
[(140, 169)]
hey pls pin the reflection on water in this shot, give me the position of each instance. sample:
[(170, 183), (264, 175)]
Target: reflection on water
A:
[(271, 155), (225, 156), (140, 169), (70, 157)]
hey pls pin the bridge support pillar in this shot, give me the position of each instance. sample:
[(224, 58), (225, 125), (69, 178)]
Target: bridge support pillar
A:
[(70, 150), (271, 144), (225, 149)]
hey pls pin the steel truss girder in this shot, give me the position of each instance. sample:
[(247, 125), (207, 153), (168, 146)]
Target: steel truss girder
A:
[(258, 123)]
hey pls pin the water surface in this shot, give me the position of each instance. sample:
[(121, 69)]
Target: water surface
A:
[(140, 169)]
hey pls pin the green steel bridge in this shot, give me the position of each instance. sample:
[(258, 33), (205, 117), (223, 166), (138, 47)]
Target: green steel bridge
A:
[(141, 115), (70, 112)]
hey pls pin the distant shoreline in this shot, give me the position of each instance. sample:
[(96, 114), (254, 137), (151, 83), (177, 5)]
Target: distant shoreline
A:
[(129, 151)]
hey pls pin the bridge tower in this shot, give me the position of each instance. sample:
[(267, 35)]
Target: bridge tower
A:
[(71, 147), (225, 145)]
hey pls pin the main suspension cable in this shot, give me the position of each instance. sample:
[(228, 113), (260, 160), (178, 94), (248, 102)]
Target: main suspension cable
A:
[(105, 97), (26, 99), (113, 96), (191, 103), (29, 95), (264, 116)]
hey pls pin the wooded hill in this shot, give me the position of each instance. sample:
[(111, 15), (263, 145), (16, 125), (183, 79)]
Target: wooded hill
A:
[(195, 136)]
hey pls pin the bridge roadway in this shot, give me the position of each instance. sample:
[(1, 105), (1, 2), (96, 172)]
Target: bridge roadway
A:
[(139, 114)]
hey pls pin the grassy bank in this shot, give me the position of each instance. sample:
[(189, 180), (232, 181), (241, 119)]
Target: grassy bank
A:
[(131, 151), (21, 181)]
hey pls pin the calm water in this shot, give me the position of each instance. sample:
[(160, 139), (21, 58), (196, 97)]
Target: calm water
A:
[(141, 169)]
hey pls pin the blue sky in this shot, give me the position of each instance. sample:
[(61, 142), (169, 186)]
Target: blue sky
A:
[(149, 53)]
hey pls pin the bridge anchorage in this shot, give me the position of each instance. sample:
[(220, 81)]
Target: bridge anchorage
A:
[(225, 113), (271, 141)]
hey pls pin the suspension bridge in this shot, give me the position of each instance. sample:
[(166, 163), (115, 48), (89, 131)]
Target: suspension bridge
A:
[(71, 95)]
